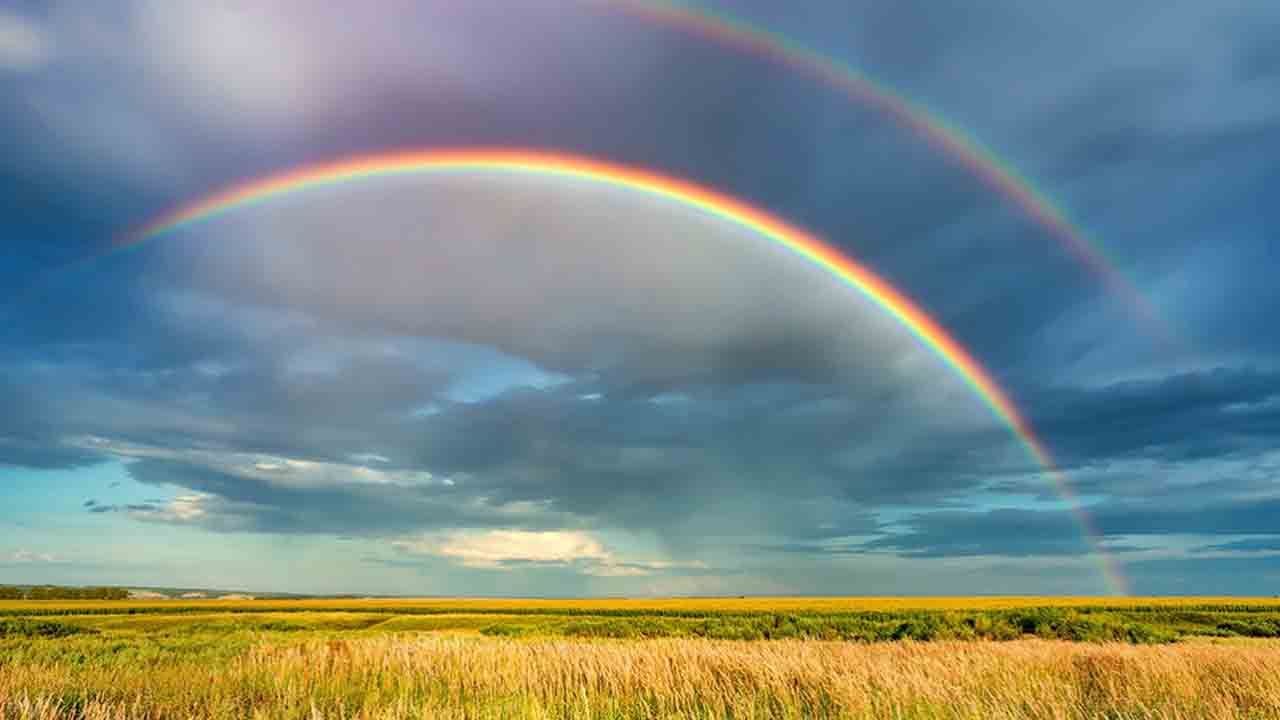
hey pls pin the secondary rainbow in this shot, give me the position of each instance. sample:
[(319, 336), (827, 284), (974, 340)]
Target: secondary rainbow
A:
[(728, 209), (995, 172)]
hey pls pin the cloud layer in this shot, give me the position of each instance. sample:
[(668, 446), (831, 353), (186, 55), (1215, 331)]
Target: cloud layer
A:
[(472, 375)]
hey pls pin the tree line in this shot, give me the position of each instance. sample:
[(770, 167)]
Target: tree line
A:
[(57, 592)]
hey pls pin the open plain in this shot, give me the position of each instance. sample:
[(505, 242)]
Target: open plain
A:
[(1019, 657)]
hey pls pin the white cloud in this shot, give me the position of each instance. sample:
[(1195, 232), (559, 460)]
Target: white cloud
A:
[(184, 508), (506, 549), (28, 557), (495, 548), (23, 44)]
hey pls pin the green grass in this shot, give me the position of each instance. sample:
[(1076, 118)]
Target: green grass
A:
[(1132, 625), (204, 662), (215, 671), (23, 627), (868, 627)]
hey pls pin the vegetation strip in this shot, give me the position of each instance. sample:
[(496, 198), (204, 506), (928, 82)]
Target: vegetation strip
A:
[(506, 660), (1138, 624)]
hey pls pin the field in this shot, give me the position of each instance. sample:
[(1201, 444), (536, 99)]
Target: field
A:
[(748, 657)]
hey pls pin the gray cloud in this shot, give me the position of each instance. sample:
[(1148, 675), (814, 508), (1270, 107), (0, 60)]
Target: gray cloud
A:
[(233, 500), (1187, 416), (1261, 544), (1021, 532), (1243, 575), (568, 356)]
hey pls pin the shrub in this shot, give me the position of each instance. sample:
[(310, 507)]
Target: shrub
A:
[(1251, 628), (505, 630), (22, 627)]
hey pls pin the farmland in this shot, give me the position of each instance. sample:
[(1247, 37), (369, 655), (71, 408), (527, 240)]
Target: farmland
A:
[(740, 657)]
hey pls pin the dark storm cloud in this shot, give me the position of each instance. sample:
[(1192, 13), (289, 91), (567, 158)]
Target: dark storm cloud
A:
[(1020, 532), (630, 460), (732, 121), (43, 453), (1003, 532), (1268, 544), (1242, 575), (1187, 416), (764, 465), (240, 501), (1247, 517), (709, 399), (767, 458), (29, 435), (254, 405), (131, 507)]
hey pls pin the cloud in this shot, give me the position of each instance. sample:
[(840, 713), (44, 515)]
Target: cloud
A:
[(182, 509), (1122, 527), (403, 398), (1258, 544), (466, 354), (513, 549), (1002, 532), (229, 499), (591, 279), (28, 557), (1245, 575), (497, 548), (1188, 416), (24, 45)]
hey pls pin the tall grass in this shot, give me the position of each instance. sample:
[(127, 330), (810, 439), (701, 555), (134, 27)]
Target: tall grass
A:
[(701, 658), (412, 676)]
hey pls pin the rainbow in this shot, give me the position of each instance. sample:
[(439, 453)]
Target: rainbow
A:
[(932, 127), (730, 210)]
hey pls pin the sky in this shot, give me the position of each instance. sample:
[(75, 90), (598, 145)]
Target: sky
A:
[(479, 382)]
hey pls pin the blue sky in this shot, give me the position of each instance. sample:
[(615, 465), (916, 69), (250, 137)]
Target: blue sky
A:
[(473, 383)]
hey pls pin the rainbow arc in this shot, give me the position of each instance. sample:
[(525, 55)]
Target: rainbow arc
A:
[(568, 167)]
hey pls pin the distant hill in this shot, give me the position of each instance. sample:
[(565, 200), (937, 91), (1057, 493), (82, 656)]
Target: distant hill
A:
[(167, 593)]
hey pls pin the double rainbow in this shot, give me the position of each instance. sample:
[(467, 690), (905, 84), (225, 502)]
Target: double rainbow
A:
[(730, 210)]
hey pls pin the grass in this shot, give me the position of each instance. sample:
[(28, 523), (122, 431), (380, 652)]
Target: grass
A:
[(404, 676), (23, 627), (644, 659), (640, 606), (1140, 621)]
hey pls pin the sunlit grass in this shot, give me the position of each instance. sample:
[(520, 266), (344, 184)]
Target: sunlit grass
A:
[(703, 658), (404, 676), (635, 605)]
